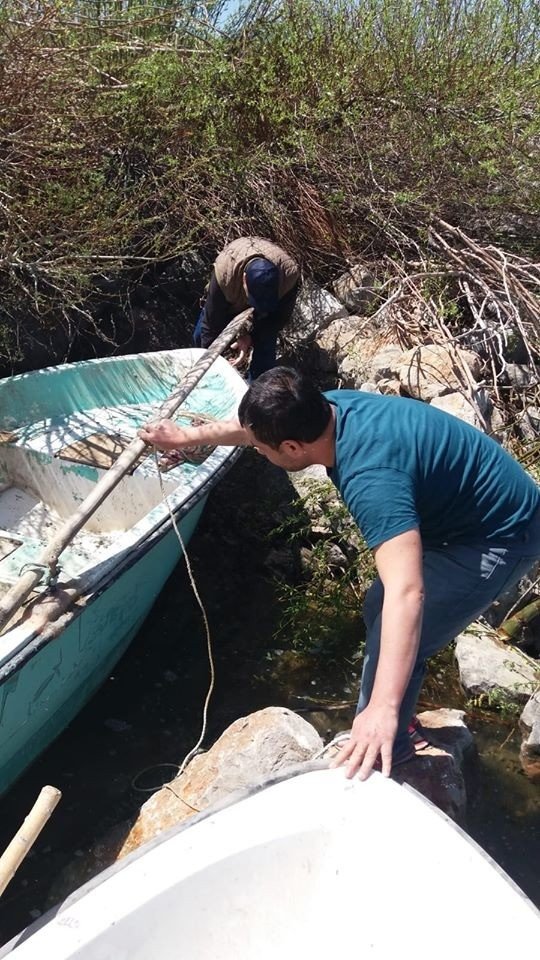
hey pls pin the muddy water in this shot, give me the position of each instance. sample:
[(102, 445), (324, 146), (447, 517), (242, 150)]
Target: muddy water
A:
[(149, 710)]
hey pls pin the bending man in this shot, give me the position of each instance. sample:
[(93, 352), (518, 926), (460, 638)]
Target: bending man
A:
[(453, 520), (250, 272)]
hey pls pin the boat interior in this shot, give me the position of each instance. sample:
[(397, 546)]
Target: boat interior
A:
[(63, 427)]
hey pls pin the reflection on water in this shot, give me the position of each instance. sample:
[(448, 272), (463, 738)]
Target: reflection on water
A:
[(149, 711)]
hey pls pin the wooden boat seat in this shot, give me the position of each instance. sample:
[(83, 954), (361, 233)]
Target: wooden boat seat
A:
[(98, 450)]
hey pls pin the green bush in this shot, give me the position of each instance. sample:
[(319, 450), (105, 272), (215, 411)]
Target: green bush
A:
[(132, 132)]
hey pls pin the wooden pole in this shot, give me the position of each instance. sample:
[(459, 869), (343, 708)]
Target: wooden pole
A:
[(15, 597), (27, 834)]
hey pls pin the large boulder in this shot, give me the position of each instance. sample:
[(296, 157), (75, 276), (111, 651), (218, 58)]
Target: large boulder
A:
[(355, 288), (494, 671), (368, 359), (333, 343), (250, 751), (431, 371), (439, 771), (314, 311), (459, 406), (530, 747)]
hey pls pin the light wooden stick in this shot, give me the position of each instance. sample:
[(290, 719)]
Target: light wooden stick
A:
[(27, 834)]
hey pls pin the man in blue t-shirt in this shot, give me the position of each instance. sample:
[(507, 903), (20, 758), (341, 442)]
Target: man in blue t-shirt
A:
[(451, 518)]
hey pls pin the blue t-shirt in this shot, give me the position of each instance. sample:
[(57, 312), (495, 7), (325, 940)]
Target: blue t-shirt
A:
[(402, 464)]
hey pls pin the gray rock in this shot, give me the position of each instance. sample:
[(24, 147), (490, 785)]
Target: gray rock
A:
[(530, 423), (490, 667), (448, 731), (458, 406), (530, 748), (354, 370), (369, 387), (333, 343), (431, 371), (438, 771), (315, 309), (520, 375), (366, 361), (355, 288), (385, 363), (390, 388), (249, 752), (311, 481)]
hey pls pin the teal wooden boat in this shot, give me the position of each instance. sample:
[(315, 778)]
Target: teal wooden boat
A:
[(60, 429)]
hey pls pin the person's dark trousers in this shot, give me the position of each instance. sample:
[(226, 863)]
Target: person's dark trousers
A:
[(197, 333), (264, 353), (264, 349), (460, 582)]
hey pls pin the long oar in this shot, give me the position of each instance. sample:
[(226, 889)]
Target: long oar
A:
[(49, 558), (27, 834)]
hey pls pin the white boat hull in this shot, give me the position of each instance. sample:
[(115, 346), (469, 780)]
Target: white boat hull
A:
[(313, 866)]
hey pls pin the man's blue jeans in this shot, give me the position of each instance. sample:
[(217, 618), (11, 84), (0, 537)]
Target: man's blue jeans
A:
[(460, 582), (263, 356)]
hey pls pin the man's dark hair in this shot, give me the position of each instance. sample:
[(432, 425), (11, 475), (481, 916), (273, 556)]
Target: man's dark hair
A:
[(283, 404)]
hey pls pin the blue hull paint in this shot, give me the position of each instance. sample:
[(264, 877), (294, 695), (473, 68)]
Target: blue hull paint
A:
[(39, 701)]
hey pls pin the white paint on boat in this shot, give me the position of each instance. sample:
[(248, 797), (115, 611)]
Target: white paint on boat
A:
[(314, 866)]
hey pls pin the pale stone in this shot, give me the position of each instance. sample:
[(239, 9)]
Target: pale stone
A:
[(323, 505), (389, 388), (312, 480), (333, 343), (447, 729), (530, 747), (385, 363), (369, 387), (366, 360), (315, 309), (354, 371), (490, 667), (431, 371), (249, 752), (355, 287), (458, 406), (520, 375)]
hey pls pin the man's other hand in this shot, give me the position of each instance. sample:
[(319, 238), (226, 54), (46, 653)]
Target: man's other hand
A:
[(241, 347), (372, 735), (165, 435)]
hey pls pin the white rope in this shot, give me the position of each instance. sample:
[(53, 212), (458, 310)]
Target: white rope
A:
[(340, 738), (181, 767), (197, 596)]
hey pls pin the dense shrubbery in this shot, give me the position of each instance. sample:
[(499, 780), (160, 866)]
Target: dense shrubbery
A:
[(133, 132)]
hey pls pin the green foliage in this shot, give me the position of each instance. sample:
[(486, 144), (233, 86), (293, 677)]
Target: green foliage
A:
[(497, 700), (322, 613), (134, 131)]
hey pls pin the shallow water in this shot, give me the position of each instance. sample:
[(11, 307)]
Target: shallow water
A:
[(149, 710)]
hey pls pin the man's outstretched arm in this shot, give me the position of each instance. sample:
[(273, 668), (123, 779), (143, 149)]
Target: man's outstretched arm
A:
[(399, 564), (166, 435)]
